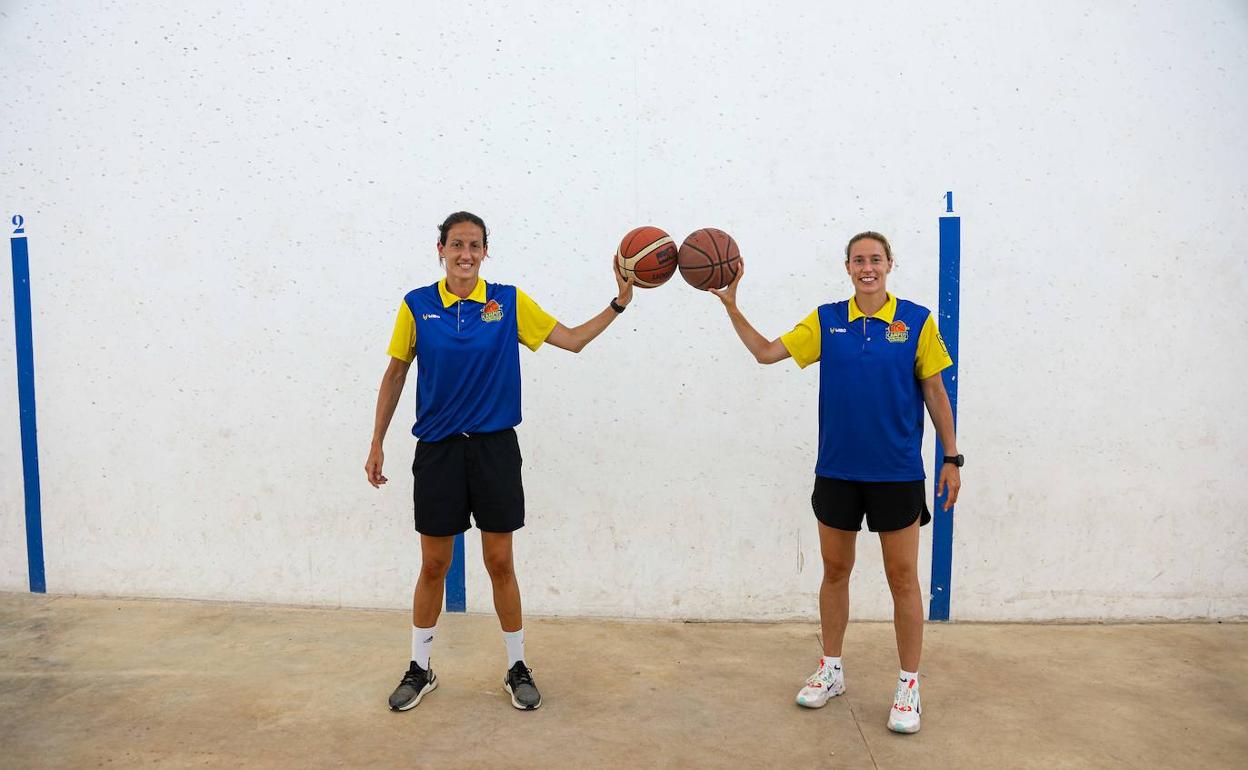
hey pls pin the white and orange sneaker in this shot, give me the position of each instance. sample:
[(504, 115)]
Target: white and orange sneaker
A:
[(827, 682), (904, 716)]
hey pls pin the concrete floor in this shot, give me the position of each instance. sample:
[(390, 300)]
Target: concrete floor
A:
[(89, 682)]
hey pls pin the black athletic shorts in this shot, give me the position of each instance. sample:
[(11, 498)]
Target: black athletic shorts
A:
[(463, 474), (888, 505)]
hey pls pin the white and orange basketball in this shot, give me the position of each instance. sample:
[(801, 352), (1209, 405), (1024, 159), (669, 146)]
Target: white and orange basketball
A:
[(648, 255)]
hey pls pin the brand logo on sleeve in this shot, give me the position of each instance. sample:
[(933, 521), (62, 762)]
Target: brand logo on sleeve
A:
[(897, 332), (491, 312)]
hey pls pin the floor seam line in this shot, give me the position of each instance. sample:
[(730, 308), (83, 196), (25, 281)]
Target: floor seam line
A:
[(861, 734)]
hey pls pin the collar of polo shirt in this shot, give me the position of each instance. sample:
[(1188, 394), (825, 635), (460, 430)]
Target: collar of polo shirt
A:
[(885, 313), (477, 295)]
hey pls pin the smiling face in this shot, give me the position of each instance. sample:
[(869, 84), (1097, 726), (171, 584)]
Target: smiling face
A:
[(463, 251), (868, 265)]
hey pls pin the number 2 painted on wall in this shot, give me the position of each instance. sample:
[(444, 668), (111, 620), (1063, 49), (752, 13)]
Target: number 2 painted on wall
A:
[(17, 224)]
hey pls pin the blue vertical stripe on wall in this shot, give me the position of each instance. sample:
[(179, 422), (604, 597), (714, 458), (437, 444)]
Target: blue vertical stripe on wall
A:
[(947, 319), (456, 600), (26, 406)]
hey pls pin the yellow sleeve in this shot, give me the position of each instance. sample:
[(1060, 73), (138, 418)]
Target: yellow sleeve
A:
[(931, 356), (403, 340), (535, 324), (805, 342)]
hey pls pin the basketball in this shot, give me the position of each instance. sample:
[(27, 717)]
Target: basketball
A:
[(647, 255), (709, 259)]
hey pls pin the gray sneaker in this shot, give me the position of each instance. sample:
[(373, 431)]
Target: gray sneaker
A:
[(519, 683), (417, 683)]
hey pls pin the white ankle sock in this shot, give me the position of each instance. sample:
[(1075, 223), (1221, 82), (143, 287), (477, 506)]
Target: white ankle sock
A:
[(906, 676), (422, 642), (515, 646), (831, 662)]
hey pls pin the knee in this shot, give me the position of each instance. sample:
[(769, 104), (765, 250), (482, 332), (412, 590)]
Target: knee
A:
[(500, 566), (903, 579), (836, 571), (434, 567)]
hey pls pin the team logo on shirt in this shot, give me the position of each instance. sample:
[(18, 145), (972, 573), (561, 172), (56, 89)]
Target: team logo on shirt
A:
[(897, 332), (491, 312)]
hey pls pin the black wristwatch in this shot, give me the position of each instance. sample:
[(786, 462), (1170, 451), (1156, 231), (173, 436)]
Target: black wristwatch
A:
[(617, 307), (957, 460)]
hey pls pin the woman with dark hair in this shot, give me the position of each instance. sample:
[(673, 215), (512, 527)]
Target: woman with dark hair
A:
[(880, 360), (464, 335)]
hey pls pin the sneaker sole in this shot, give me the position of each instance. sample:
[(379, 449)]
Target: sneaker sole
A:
[(518, 704), (902, 729), (414, 702)]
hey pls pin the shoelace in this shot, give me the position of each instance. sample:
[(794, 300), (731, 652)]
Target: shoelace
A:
[(412, 678), (904, 700), (823, 676), (521, 675)]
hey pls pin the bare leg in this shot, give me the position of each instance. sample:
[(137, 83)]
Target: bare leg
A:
[(435, 560), (901, 565), (837, 548), (496, 552)]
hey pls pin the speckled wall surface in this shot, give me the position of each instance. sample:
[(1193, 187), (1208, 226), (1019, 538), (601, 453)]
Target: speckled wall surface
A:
[(226, 204)]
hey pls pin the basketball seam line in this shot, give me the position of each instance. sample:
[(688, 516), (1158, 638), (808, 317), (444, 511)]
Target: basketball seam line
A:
[(652, 248), (703, 283), (719, 261)]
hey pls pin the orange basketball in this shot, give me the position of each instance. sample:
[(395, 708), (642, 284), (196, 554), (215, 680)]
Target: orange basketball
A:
[(648, 255), (709, 259)]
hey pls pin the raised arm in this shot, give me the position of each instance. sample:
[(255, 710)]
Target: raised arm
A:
[(765, 352), (576, 338), (387, 399)]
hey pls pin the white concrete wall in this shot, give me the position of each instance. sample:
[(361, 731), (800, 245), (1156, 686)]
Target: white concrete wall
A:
[(226, 204)]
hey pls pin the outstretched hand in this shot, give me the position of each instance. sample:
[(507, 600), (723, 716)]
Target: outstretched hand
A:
[(728, 294), (624, 286)]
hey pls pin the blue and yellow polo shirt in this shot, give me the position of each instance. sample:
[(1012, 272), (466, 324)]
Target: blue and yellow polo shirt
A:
[(467, 356), (870, 401)]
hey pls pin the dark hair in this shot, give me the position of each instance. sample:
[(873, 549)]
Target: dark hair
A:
[(888, 250), (463, 216)]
